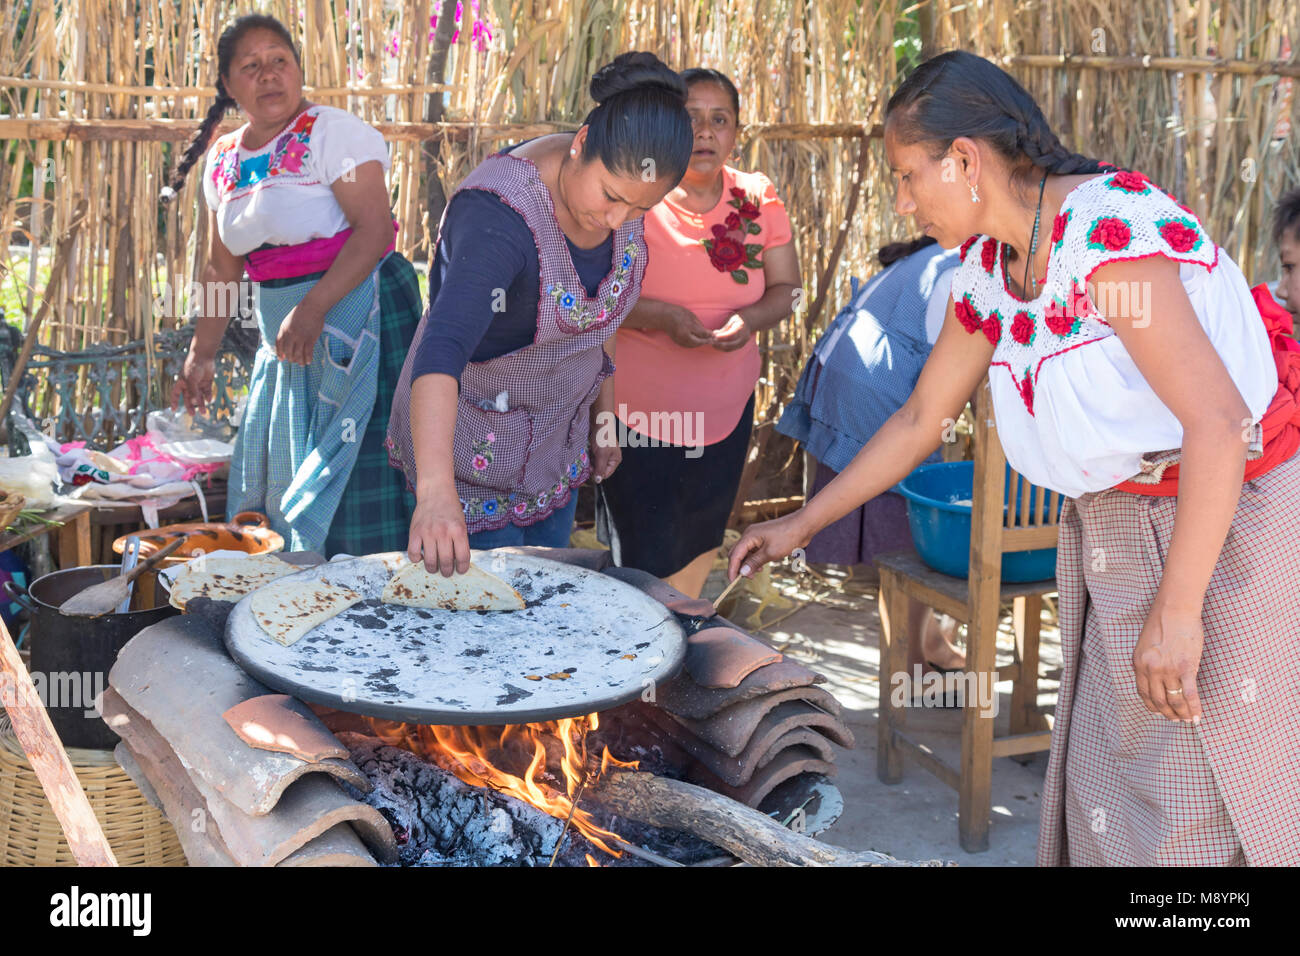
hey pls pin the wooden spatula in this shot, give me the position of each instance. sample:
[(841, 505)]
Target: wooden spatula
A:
[(104, 598)]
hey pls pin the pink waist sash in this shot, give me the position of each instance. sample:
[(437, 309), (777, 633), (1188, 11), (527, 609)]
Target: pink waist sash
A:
[(314, 255)]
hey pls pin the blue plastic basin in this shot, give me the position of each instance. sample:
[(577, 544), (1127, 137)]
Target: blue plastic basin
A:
[(941, 528)]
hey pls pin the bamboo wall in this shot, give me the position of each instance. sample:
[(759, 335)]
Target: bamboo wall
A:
[(99, 94)]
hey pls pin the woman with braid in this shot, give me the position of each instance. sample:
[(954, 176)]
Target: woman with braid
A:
[(1158, 414), (297, 200)]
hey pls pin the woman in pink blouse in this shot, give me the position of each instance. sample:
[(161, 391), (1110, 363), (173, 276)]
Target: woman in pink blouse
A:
[(722, 268)]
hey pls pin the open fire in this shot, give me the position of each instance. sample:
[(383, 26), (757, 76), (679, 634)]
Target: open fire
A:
[(546, 765)]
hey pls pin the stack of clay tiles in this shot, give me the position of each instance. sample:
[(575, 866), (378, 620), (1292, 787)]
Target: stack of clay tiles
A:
[(748, 718), (246, 776)]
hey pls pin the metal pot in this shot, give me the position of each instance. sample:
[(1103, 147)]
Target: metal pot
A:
[(71, 656)]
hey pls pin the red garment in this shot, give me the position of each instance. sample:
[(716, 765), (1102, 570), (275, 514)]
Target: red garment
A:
[(1281, 422)]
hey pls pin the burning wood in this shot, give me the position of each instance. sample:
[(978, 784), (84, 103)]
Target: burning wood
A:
[(553, 754)]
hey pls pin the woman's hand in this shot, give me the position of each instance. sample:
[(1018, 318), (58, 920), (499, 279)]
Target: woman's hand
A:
[(604, 459), (1166, 658), (732, 335), (768, 541), (438, 534), (296, 340), (684, 327), (194, 383)]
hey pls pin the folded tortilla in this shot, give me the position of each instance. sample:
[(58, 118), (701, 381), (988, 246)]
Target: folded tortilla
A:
[(286, 610), (226, 578), (475, 590)]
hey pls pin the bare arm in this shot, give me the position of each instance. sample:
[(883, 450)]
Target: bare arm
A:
[(438, 527), (221, 273), (365, 203), (781, 277), (1197, 388), (954, 369)]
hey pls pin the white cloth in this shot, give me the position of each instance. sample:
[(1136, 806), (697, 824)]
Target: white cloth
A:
[(281, 193), (1074, 413)]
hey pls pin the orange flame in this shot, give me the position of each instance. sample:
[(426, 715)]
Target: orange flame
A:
[(479, 756)]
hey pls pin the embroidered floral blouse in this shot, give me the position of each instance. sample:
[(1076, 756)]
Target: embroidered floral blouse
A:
[(281, 192), (1074, 413)]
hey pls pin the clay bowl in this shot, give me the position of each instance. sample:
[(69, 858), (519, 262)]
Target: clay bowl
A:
[(248, 531)]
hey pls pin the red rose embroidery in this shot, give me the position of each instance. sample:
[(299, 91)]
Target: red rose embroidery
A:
[(1058, 226), (1027, 391), (1180, 237), (1022, 328), (1110, 233), (748, 210), (988, 255), (733, 221), (992, 327), (1062, 317), (727, 254), (965, 247), (1129, 181), (967, 316), (737, 192), (718, 230)]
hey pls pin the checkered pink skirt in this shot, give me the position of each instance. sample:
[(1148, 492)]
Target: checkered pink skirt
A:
[(1126, 787)]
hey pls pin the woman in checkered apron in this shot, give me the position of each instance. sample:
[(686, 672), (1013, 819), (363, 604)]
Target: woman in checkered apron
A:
[(1131, 369), (540, 256), (298, 201)]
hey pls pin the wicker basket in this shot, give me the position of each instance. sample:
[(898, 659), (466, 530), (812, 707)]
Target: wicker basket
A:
[(30, 834), (10, 504)]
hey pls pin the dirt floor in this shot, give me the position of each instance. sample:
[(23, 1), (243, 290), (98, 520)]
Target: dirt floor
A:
[(831, 623)]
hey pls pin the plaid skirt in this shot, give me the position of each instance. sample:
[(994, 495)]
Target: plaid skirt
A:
[(375, 511), (1126, 787)]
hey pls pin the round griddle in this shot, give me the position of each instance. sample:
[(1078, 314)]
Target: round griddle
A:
[(431, 666)]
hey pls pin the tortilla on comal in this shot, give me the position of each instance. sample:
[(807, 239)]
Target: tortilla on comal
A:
[(226, 579), (286, 610), (475, 590)]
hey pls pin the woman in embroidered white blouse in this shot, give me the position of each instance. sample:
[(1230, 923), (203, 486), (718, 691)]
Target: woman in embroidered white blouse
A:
[(1174, 739), (297, 200)]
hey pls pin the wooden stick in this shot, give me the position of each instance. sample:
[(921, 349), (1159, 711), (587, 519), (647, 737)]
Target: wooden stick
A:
[(726, 823), (45, 752), (29, 339)]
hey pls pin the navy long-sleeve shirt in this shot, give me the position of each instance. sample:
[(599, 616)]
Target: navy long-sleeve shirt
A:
[(484, 286)]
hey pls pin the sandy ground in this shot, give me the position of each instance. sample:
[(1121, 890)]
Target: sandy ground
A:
[(832, 625)]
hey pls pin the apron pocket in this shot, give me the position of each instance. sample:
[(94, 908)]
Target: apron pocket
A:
[(342, 356), (490, 448)]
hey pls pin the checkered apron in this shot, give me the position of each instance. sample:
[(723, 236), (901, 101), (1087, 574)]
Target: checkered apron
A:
[(520, 445), (1126, 787), (301, 430)]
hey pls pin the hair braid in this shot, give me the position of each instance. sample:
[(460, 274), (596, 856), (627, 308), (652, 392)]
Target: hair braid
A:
[(199, 144)]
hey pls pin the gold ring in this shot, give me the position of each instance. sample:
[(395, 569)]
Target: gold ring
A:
[(1176, 690)]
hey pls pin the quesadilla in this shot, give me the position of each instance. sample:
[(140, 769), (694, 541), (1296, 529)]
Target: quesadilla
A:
[(286, 610), (226, 578), (475, 590)]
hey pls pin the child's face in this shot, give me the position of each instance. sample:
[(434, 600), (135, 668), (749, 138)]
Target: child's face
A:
[(1288, 289)]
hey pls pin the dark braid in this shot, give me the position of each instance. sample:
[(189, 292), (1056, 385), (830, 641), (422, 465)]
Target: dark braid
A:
[(224, 102), (960, 94), (888, 255), (199, 144)]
